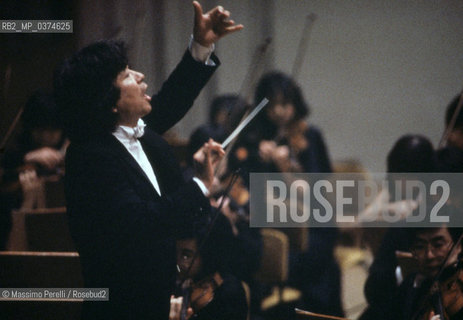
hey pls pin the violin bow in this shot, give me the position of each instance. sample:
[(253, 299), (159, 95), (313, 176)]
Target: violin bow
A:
[(303, 45), (15, 122), (247, 87), (255, 71), (453, 120)]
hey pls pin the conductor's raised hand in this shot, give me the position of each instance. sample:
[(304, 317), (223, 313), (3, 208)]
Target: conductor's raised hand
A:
[(206, 160), (213, 25)]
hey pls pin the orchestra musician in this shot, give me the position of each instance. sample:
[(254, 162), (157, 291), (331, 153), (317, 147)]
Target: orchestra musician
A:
[(280, 140), (204, 257), (36, 157), (411, 154), (125, 193), (430, 247)]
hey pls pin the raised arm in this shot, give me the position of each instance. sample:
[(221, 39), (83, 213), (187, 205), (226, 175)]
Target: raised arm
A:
[(189, 77)]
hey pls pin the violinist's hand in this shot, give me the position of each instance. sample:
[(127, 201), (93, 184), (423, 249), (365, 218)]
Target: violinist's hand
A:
[(176, 308), (266, 150), (432, 316), (206, 160), (281, 158), (47, 157), (213, 25)]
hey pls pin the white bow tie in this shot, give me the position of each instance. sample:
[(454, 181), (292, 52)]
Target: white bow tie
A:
[(139, 130), (131, 133)]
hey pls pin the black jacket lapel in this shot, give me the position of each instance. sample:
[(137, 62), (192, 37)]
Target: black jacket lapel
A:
[(139, 175)]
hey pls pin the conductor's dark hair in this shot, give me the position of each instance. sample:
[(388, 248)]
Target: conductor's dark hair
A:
[(451, 108), (85, 89), (277, 86)]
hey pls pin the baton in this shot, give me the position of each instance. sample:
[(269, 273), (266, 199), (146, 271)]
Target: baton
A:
[(244, 123)]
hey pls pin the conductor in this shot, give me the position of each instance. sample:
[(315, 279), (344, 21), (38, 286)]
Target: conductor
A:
[(124, 189)]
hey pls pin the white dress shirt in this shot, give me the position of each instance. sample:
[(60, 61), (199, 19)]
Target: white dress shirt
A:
[(128, 136)]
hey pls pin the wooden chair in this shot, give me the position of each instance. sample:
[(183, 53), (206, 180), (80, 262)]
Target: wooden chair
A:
[(40, 270), (298, 238), (274, 269), (307, 315), (47, 230), (44, 229), (351, 170)]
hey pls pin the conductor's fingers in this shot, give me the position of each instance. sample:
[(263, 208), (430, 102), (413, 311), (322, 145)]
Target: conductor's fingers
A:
[(216, 148), (232, 29), (198, 11)]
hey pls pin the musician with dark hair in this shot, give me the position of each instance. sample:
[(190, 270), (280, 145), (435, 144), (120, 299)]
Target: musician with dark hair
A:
[(431, 248), (281, 140), (35, 158), (203, 255)]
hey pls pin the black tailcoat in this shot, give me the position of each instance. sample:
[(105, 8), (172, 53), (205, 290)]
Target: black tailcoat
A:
[(123, 229)]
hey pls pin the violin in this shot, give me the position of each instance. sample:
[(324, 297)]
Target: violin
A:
[(450, 295), (202, 292), (238, 192), (197, 295)]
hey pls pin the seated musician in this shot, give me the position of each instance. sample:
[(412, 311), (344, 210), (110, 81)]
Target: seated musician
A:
[(37, 155), (430, 247), (204, 258), (410, 154), (281, 140), (39, 152)]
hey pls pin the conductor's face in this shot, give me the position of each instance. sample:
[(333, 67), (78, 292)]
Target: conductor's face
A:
[(133, 103)]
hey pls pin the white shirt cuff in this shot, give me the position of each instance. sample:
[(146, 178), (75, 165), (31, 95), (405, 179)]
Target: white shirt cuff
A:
[(201, 186), (201, 53)]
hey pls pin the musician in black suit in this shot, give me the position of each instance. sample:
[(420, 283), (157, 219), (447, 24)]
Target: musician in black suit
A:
[(124, 189)]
